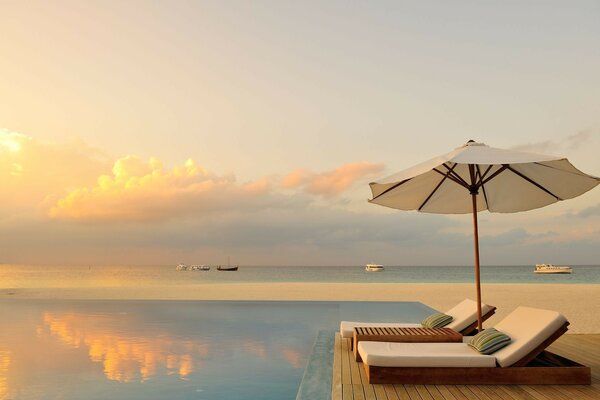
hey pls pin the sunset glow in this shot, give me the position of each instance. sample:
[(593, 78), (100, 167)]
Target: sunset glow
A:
[(195, 195)]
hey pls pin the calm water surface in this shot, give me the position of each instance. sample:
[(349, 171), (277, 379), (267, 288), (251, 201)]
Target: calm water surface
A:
[(135, 276), (168, 350)]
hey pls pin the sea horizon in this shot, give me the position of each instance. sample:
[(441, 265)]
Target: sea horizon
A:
[(73, 276)]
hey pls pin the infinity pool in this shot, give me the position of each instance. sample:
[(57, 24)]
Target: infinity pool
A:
[(168, 349)]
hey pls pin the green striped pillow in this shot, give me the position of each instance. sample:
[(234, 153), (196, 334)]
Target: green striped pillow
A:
[(489, 341), (437, 320)]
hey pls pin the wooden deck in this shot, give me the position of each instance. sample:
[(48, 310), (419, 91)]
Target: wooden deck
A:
[(350, 382)]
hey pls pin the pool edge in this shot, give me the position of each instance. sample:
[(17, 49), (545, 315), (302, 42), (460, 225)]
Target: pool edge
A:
[(318, 375)]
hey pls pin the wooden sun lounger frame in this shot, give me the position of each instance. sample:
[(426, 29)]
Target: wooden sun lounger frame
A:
[(466, 331), (539, 367)]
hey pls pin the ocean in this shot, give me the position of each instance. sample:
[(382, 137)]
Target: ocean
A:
[(38, 276)]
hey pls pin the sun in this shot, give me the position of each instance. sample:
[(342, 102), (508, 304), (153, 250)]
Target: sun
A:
[(10, 141)]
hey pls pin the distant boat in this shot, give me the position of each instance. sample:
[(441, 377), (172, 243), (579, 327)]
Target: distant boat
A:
[(181, 267), (552, 269), (200, 268), (374, 268), (228, 267)]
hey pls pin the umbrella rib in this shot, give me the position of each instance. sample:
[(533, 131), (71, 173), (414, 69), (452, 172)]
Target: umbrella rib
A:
[(453, 179), (500, 170), (482, 177), (578, 173), (437, 187), (456, 175), (391, 188), (532, 182), (481, 183)]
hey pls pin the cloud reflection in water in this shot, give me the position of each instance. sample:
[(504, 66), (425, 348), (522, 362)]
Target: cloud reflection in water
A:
[(126, 357)]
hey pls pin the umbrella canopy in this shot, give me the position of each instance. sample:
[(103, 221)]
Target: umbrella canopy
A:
[(476, 177)]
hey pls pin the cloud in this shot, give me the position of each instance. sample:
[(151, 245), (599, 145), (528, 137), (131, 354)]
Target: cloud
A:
[(331, 183), (578, 140), (592, 211), (517, 236), (571, 142), (31, 170), (55, 195), (294, 234), (75, 182), (139, 190)]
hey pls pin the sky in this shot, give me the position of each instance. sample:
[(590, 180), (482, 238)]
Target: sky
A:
[(147, 132)]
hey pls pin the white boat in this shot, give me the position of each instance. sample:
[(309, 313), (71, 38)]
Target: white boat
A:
[(181, 267), (552, 269), (373, 268), (200, 268)]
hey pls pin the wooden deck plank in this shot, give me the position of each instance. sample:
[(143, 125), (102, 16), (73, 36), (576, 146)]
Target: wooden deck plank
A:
[(354, 372), (391, 392), (580, 394), (468, 393), (380, 392), (423, 392), (336, 384), (458, 394), (535, 393), (350, 380), (550, 392), (579, 347), (413, 392), (347, 393), (514, 391), (401, 392), (346, 376), (434, 392), (445, 392), (487, 391), (368, 389), (358, 392)]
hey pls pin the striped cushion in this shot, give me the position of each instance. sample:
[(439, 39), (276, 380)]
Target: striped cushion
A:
[(437, 320), (489, 341)]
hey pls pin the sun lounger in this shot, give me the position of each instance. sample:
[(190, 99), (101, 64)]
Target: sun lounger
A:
[(464, 320), (523, 361)]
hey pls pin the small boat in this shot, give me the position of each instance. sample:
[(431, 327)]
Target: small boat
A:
[(552, 269), (181, 267), (374, 268), (200, 268), (227, 268)]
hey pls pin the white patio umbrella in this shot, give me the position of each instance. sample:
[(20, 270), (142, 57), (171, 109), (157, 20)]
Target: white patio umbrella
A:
[(476, 177)]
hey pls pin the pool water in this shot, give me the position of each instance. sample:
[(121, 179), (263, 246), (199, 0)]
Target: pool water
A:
[(168, 349)]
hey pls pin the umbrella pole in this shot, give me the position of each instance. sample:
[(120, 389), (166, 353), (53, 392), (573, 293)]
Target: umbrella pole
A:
[(477, 275)]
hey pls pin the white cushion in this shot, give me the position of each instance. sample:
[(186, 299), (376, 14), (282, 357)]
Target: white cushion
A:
[(383, 354), (528, 328), (347, 327), (465, 313)]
